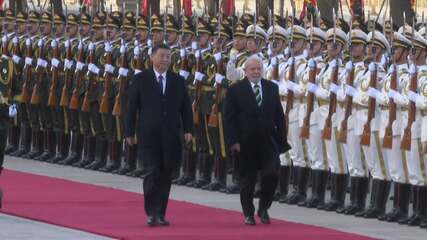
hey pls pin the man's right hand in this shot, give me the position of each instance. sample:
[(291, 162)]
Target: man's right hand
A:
[(131, 141), (235, 148)]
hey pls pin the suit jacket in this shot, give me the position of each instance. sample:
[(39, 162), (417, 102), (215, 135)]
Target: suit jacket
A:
[(161, 117), (248, 124)]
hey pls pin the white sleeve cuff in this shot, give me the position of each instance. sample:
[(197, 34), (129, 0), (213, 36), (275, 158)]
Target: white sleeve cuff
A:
[(184, 74), (219, 78), (109, 68), (123, 72), (199, 76)]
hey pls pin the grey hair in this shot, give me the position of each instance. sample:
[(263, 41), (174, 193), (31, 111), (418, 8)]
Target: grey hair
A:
[(254, 58)]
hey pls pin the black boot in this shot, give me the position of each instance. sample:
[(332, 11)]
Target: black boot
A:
[(49, 146), (220, 177), (284, 178), (423, 206), (130, 160), (372, 200), (206, 170), (13, 142), (76, 149), (115, 157), (403, 193), (89, 146), (234, 188), (300, 193), (419, 206), (25, 144), (342, 183), (361, 190), (381, 197), (101, 153), (62, 140), (36, 144), (353, 195), (314, 190)]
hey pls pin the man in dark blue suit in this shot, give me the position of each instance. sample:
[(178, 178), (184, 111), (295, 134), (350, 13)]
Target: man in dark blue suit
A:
[(159, 106), (255, 129)]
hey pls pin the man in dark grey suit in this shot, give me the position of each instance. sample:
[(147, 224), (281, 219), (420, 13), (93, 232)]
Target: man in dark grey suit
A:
[(255, 128), (159, 106)]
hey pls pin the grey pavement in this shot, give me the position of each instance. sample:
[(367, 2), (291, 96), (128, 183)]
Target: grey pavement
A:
[(351, 224)]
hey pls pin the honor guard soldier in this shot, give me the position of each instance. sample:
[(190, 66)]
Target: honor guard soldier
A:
[(8, 30), (40, 93), (235, 72), (91, 99), (59, 116), (187, 32), (109, 71), (278, 38), (421, 190), (121, 83), (311, 131), (393, 111), (412, 125), (222, 36), (17, 56), (29, 81), (291, 92), (72, 126), (204, 80), (88, 28), (357, 168), (367, 126)]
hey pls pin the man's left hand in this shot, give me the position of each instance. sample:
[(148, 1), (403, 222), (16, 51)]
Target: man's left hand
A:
[(188, 137)]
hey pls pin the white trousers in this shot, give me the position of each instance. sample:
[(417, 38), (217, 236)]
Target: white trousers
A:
[(353, 153), (375, 158), (396, 162), (298, 153), (416, 163), (335, 153), (317, 149)]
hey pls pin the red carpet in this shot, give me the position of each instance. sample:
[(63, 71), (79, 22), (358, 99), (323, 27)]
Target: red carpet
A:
[(120, 214)]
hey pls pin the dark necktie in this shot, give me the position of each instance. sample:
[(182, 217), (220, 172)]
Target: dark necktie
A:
[(258, 97), (161, 83)]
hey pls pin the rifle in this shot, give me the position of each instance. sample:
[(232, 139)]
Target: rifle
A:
[(65, 98), (342, 135), (92, 81), (199, 68), (327, 129), (28, 68), (51, 102), (16, 52), (137, 60), (388, 136), (108, 75), (213, 117), (405, 144), (305, 129), (40, 70), (123, 78), (291, 77)]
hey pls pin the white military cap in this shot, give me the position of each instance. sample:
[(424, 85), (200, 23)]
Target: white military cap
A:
[(279, 33), (298, 32), (318, 34), (378, 39), (250, 32), (340, 35), (419, 40), (358, 37), (399, 40)]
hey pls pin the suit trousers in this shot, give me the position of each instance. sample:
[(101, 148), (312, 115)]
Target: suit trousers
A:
[(156, 185), (249, 176)]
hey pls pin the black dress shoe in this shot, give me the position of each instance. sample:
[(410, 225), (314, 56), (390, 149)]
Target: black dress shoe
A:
[(263, 215), (152, 221), (163, 222), (250, 221)]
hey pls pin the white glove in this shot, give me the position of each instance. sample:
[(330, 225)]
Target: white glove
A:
[(334, 88), (312, 87), (322, 93), (184, 74), (291, 85), (4, 39), (182, 52), (54, 43), (149, 43), (91, 46), (373, 93), (55, 62), (40, 43), (412, 96), (136, 51), (108, 47), (194, 46), (199, 76), (372, 67), (274, 61), (197, 54), (218, 56), (219, 78), (349, 66), (80, 66), (123, 72), (28, 61), (16, 59), (122, 49), (350, 90), (150, 50), (28, 42), (67, 43), (311, 63), (15, 40), (298, 90), (68, 64), (233, 57), (13, 111), (109, 68)]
